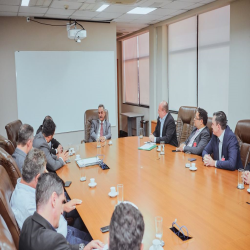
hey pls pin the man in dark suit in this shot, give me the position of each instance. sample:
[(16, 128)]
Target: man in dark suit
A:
[(223, 145), (165, 129), (55, 146), (100, 128), (41, 141), (200, 135), (38, 231)]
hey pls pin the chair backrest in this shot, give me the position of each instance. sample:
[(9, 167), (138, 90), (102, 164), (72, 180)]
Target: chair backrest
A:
[(6, 190), (10, 166), (6, 240), (209, 125), (185, 123), (7, 145), (12, 129), (242, 132), (91, 114)]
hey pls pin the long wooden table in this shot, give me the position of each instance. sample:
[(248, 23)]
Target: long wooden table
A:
[(206, 201)]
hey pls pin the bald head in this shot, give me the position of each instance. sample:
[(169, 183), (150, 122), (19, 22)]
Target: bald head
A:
[(163, 109)]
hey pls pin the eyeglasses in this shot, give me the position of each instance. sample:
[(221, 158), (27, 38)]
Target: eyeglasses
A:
[(197, 118)]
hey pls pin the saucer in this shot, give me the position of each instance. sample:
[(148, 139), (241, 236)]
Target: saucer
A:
[(113, 194), (193, 168), (248, 190), (92, 185), (159, 247)]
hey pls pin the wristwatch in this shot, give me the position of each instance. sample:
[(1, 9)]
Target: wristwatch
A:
[(81, 246)]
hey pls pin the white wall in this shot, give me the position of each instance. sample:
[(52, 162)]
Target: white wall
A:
[(18, 35)]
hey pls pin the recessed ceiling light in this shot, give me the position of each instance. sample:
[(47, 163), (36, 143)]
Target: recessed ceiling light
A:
[(25, 2), (103, 7), (140, 10)]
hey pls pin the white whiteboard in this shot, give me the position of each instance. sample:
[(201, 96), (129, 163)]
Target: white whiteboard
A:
[(64, 84)]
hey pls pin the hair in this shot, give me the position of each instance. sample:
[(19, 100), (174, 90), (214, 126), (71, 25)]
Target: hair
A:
[(203, 115), (221, 118), (47, 117), (126, 228), (49, 127), (101, 106), (46, 185), (165, 106), (25, 133), (33, 164)]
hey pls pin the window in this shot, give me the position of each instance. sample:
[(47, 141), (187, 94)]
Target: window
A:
[(135, 68), (198, 56)]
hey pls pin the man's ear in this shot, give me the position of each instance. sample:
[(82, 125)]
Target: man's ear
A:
[(53, 199), (142, 246), (36, 178)]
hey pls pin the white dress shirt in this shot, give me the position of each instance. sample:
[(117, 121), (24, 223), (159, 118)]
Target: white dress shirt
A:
[(220, 146), (23, 205)]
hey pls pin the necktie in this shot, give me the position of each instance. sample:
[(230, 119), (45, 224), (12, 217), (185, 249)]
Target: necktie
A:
[(101, 131), (220, 148), (190, 144)]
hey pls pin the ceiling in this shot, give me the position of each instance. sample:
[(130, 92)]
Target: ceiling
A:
[(86, 10)]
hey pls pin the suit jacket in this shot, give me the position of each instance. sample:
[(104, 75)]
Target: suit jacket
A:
[(38, 234), (54, 142), (202, 139), (95, 127), (53, 163), (230, 151), (168, 131)]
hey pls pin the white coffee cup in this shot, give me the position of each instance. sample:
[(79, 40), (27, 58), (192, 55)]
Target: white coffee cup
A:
[(193, 165), (92, 180), (112, 190), (71, 151), (159, 148), (77, 156), (110, 142), (187, 165)]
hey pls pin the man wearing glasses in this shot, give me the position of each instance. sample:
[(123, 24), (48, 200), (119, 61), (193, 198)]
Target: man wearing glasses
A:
[(200, 135), (100, 128), (223, 145)]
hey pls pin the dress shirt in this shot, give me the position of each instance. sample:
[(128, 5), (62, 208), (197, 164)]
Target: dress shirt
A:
[(220, 146), (99, 129), (190, 144), (162, 120), (19, 157), (23, 205)]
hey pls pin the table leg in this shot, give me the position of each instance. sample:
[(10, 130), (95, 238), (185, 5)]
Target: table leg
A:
[(129, 126), (138, 119)]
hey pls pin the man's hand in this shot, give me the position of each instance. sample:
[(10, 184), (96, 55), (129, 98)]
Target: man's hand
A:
[(69, 206), (247, 177), (152, 138), (208, 161), (181, 147), (64, 155), (102, 139), (59, 149), (94, 244)]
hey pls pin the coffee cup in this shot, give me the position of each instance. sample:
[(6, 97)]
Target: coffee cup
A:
[(77, 156), (187, 165), (110, 142), (193, 165), (92, 180), (71, 151), (112, 190), (159, 148)]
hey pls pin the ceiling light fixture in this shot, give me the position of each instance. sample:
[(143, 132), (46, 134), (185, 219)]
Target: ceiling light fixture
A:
[(25, 2), (103, 7), (140, 10)]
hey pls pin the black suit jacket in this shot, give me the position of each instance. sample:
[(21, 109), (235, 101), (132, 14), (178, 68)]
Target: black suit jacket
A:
[(54, 142), (38, 234), (168, 131)]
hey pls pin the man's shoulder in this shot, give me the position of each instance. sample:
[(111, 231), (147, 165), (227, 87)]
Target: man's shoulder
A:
[(205, 131), (170, 118), (39, 140)]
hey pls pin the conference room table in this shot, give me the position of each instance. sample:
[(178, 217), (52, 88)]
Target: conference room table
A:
[(206, 201)]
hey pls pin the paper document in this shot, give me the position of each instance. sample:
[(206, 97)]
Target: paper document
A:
[(88, 162), (148, 146)]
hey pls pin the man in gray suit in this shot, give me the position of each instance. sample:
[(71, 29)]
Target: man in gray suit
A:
[(200, 136), (100, 128), (24, 144), (41, 141)]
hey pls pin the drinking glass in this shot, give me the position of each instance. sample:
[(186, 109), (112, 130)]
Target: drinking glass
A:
[(98, 141), (158, 227), (120, 193), (162, 147), (83, 174), (240, 178), (141, 133)]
